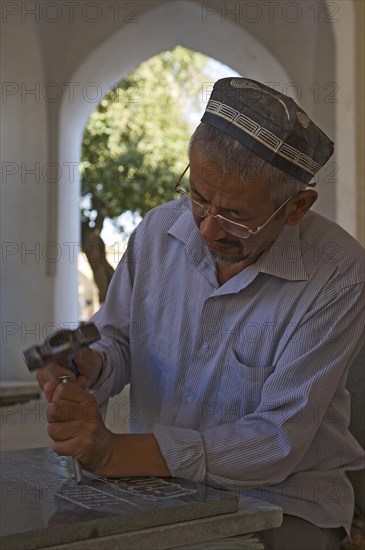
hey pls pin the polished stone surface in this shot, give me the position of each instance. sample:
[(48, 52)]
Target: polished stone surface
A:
[(211, 533), (42, 506)]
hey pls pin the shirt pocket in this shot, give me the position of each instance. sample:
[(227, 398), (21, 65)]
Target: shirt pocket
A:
[(241, 386)]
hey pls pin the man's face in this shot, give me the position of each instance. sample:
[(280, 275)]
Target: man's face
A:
[(245, 203)]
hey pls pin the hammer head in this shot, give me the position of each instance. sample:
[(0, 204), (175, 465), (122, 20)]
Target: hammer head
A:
[(61, 346)]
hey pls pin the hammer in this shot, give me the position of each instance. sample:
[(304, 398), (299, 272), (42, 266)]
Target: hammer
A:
[(62, 347)]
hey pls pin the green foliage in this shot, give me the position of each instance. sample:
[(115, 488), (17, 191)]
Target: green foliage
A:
[(135, 142)]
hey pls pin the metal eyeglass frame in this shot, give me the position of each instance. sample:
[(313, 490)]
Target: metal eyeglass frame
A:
[(234, 228)]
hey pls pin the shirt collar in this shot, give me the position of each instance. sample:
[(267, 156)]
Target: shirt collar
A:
[(186, 230), (282, 259)]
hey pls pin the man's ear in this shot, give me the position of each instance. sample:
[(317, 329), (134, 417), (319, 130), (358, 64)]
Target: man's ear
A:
[(300, 205)]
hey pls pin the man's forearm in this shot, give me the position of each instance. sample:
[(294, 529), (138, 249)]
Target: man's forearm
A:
[(135, 455)]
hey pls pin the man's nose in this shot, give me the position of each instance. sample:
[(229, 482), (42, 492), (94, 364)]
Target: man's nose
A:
[(210, 229)]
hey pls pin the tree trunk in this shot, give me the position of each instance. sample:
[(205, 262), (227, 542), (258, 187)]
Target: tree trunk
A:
[(93, 247)]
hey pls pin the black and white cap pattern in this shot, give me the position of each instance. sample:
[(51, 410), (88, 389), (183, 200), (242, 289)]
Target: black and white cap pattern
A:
[(270, 124)]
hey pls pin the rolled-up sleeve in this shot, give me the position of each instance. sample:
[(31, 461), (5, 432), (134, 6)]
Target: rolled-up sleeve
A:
[(183, 450)]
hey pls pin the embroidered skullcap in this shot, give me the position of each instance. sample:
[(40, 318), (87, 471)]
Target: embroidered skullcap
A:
[(270, 124)]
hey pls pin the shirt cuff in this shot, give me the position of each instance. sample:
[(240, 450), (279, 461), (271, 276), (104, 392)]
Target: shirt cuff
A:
[(183, 450)]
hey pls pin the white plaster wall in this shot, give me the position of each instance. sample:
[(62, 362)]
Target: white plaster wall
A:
[(346, 191), (26, 290)]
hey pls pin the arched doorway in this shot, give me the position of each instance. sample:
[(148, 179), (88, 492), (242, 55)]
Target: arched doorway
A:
[(175, 23)]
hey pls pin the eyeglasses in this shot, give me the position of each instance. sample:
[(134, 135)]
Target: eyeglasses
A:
[(234, 228)]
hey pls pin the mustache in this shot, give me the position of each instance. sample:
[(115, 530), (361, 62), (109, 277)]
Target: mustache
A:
[(225, 242)]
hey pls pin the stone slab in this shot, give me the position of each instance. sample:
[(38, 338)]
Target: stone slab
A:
[(43, 506), (252, 516)]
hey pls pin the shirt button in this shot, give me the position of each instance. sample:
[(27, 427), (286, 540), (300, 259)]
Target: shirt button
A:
[(189, 398), (204, 346)]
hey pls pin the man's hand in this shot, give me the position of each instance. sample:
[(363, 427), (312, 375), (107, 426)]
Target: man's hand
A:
[(76, 426), (77, 429), (88, 362)]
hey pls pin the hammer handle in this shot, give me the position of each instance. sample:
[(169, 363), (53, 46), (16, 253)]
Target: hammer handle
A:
[(74, 369)]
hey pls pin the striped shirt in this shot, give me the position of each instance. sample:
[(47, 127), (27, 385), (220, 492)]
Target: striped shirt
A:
[(242, 384)]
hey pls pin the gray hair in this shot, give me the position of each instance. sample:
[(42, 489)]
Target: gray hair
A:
[(234, 157)]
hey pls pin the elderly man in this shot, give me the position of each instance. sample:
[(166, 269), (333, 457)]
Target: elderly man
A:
[(234, 315)]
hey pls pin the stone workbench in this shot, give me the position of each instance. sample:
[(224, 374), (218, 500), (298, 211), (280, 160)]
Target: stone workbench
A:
[(43, 507)]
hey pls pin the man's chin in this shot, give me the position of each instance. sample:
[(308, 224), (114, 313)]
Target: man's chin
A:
[(225, 259)]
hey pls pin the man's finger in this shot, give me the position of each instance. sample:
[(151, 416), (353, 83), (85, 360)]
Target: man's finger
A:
[(70, 411), (63, 411), (68, 447), (88, 362), (59, 431), (71, 392), (51, 373), (83, 382), (49, 389), (70, 402)]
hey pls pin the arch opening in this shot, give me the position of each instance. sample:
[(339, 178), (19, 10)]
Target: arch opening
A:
[(181, 25)]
